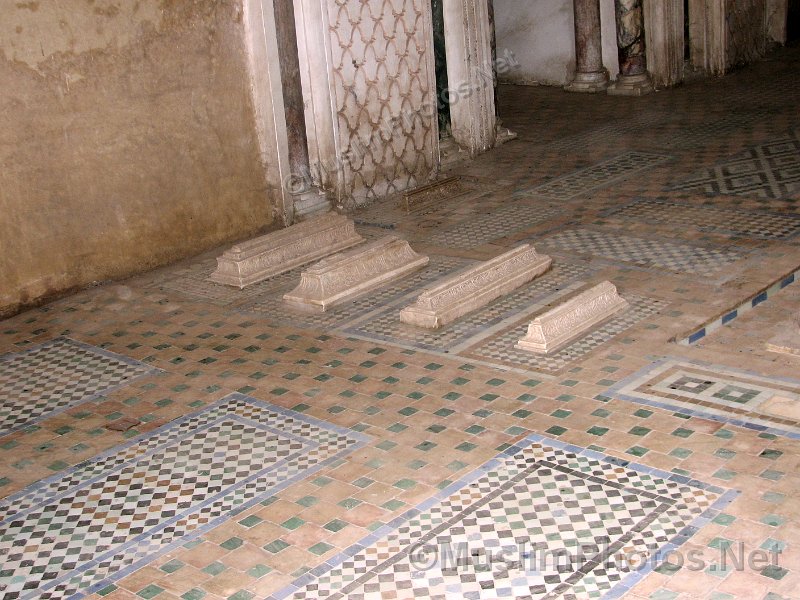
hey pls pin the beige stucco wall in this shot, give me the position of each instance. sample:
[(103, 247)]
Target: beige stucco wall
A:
[(127, 139)]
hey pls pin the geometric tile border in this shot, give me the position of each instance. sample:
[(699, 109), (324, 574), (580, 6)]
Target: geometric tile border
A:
[(54, 376), (716, 392), (769, 171), (543, 519), (596, 176), (695, 335), (647, 252), (500, 223), (738, 223), (74, 533)]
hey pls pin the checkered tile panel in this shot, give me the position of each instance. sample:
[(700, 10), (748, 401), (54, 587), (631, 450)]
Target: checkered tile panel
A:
[(74, 533), (645, 252), (57, 375), (542, 523)]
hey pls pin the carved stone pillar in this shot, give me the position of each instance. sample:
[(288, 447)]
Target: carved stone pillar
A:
[(633, 79), (307, 199), (590, 74)]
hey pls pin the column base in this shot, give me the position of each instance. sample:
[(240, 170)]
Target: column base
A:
[(310, 204), (588, 83), (504, 134), (632, 85)]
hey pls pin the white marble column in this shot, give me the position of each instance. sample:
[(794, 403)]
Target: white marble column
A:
[(590, 74)]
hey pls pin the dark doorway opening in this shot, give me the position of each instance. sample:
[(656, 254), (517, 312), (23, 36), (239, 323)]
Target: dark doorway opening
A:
[(440, 57), (687, 46), (793, 22)]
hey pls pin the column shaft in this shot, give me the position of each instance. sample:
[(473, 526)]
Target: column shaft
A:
[(292, 87), (590, 75), (634, 79)]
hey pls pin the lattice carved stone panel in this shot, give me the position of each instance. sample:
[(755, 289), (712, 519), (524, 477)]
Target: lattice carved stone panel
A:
[(383, 94)]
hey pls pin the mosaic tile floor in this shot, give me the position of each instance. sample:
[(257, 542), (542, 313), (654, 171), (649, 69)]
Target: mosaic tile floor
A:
[(719, 393), (645, 252), (769, 170), (190, 441), (78, 531), (57, 375), (540, 522)]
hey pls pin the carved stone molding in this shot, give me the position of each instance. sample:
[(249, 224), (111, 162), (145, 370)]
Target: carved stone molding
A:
[(470, 73), (275, 253), (350, 274), (475, 287), (555, 328)]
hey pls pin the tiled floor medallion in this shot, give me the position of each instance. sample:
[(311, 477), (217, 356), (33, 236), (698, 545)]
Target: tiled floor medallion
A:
[(543, 520), (644, 252), (500, 223), (716, 392), (770, 171), (596, 176), (749, 224), (501, 347), (77, 531), (59, 374)]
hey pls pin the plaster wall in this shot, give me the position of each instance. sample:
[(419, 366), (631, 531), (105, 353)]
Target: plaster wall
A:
[(541, 34), (127, 139)]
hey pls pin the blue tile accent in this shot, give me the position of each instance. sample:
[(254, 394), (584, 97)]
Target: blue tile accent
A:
[(731, 315)]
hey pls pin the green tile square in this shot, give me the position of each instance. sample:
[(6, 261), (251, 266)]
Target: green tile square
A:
[(172, 566), (639, 431), (151, 591), (637, 451), (682, 432), (214, 569), (405, 484), (466, 447), (426, 446), (556, 431), (275, 546), (444, 412), (598, 431), (393, 504), (242, 595), (232, 543), (397, 427), (307, 501), (408, 411), (452, 396), (774, 572), (475, 429), (643, 413), (293, 523), (320, 548), (258, 571), (349, 503), (335, 525)]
